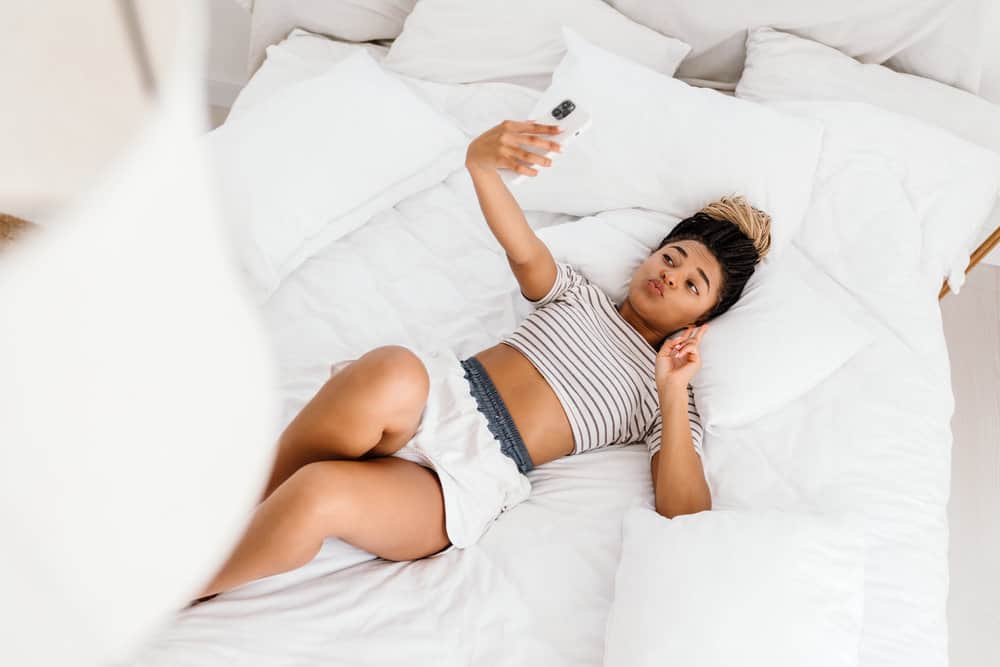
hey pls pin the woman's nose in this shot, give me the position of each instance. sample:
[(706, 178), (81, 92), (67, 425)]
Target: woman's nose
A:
[(668, 278)]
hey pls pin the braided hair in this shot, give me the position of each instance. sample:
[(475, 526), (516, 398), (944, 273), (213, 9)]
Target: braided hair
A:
[(739, 236)]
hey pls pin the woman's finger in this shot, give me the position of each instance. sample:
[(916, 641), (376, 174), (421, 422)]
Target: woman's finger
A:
[(514, 165), (686, 347), (522, 168), (533, 158), (521, 139), (527, 156), (542, 128), (530, 126)]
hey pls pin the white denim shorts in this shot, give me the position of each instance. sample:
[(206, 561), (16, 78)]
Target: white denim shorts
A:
[(478, 480)]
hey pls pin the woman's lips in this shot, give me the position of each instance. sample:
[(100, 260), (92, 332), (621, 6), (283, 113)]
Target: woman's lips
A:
[(656, 286)]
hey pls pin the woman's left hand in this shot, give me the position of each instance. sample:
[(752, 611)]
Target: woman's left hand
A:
[(679, 359)]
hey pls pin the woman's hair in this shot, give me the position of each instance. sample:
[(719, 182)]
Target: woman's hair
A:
[(739, 236)]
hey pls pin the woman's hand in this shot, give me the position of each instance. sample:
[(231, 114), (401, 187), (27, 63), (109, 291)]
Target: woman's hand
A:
[(678, 360), (500, 146)]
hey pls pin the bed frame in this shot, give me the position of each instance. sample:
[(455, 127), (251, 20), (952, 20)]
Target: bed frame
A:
[(984, 248)]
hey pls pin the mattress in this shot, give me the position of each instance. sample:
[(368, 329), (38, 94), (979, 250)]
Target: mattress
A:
[(873, 440)]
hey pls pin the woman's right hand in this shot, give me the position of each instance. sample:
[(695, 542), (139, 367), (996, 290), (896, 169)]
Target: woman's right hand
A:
[(500, 146)]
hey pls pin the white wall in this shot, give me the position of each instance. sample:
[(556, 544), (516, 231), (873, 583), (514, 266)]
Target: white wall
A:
[(229, 41)]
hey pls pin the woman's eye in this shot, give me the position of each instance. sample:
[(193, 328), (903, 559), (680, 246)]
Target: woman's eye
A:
[(693, 286), (667, 257)]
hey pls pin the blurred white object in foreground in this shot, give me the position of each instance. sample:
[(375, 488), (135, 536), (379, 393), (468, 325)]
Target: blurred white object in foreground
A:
[(137, 402)]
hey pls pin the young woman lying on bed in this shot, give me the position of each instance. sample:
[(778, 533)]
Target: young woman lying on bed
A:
[(405, 452)]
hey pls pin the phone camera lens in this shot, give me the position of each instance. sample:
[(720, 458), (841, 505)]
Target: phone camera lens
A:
[(557, 113)]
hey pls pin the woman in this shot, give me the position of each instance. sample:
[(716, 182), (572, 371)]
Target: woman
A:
[(404, 453)]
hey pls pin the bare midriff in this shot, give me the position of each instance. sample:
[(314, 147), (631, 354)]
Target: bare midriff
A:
[(531, 401)]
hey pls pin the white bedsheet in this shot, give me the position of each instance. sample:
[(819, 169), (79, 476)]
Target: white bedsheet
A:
[(873, 439)]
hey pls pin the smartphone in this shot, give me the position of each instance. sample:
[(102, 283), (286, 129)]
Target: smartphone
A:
[(572, 122)]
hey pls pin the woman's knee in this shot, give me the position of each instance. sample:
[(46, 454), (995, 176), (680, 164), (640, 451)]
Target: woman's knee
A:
[(398, 380), (320, 493)]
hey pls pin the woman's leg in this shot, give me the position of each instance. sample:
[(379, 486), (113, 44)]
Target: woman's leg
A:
[(372, 407), (390, 507)]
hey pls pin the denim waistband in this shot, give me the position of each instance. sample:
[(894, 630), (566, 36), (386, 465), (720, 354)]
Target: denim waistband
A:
[(498, 419)]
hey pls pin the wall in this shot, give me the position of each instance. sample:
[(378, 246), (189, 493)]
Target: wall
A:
[(229, 41)]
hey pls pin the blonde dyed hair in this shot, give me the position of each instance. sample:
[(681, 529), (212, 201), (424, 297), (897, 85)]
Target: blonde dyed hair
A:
[(753, 222)]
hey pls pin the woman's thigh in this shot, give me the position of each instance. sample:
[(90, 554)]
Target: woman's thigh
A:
[(371, 407), (389, 506)]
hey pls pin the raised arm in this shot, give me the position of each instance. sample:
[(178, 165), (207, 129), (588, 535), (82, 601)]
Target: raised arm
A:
[(529, 258), (679, 484)]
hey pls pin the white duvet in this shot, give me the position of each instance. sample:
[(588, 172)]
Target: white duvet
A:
[(873, 439)]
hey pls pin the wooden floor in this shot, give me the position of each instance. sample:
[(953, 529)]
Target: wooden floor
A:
[(972, 329)]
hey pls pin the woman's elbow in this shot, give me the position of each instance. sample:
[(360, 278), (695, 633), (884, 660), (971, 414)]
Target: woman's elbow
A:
[(671, 512)]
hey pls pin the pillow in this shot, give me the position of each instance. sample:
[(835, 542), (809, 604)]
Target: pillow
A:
[(660, 144), (716, 29), (951, 184), (347, 20), (804, 326), (724, 587), (302, 168), (302, 55), (517, 41), (953, 53), (474, 108), (989, 81), (776, 68)]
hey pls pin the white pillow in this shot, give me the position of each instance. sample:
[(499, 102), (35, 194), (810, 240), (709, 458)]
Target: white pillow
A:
[(319, 158), (791, 329), (989, 80), (347, 20), (474, 108), (660, 144), (949, 186), (716, 29), (302, 55), (767, 588), (781, 66), (518, 41), (954, 52), (774, 71)]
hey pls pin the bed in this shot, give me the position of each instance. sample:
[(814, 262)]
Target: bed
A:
[(537, 589)]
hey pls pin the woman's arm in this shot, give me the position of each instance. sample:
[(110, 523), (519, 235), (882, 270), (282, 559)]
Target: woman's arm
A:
[(529, 258), (679, 485), (504, 216)]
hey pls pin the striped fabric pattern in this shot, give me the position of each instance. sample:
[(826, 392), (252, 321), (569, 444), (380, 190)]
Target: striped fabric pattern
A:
[(601, 369)]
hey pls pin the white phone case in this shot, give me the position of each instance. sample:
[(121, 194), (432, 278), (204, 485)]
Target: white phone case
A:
[(572, 122)]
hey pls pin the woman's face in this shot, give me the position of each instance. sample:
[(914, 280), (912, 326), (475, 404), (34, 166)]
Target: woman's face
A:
[(676, 285)]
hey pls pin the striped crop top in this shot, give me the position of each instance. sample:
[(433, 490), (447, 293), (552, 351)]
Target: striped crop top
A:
[(602, 370)]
